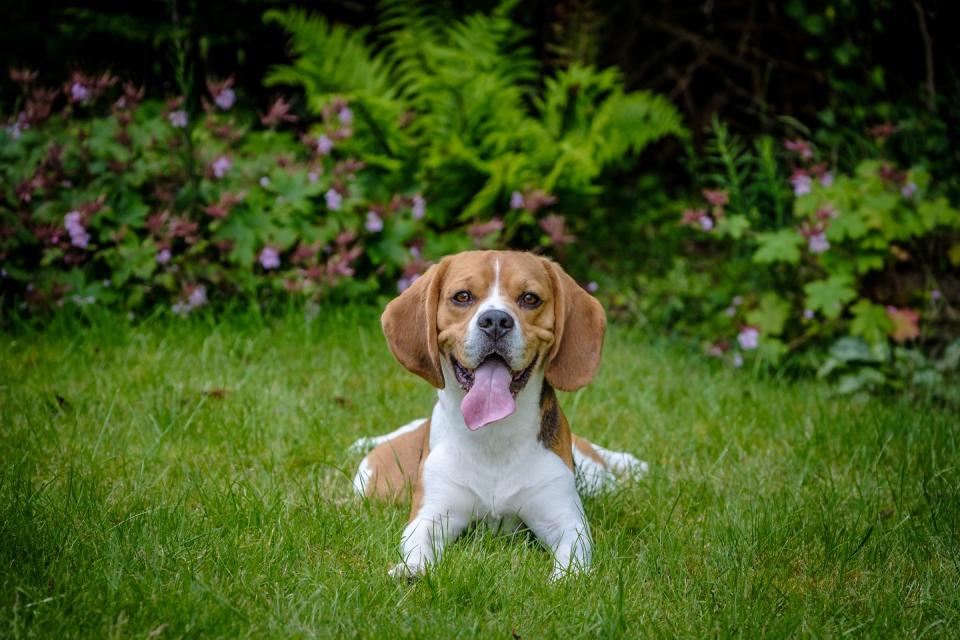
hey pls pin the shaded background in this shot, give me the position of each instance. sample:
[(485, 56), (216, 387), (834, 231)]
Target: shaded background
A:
[(743, 59)]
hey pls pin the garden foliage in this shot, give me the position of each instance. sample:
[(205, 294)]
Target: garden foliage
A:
[(440, 142), (834, 250)]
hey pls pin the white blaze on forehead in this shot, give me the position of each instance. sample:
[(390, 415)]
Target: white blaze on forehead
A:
[(475, 338)]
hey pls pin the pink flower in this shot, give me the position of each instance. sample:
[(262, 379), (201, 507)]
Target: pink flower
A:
[(225, 99), (516, 200), (404, 283), (419, 208), (374, 223), (74, 225), (334, 200), (748, 338), (346, 116), (692, 217), (163, 256), (79, 92), (737, 359), (178, 118), (269, 258), (826, 180), (555, 227), (818, 243), (908, 190), (706, 223), (313, 176), (715, 197), (826, 213), (882, 130), (481, 230), (198, 297), (221, 165), (324, 145), (801, 182), (800, 147)]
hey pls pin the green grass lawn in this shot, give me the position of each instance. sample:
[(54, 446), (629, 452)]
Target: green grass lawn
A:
[(177, 478)]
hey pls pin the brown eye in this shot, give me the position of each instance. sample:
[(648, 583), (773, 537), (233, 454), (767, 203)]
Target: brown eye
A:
[(530, 300), (463, 297)]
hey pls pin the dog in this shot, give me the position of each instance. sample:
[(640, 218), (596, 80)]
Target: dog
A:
[(496, 332)]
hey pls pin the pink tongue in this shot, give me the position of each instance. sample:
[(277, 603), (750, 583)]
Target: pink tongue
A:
[(489, 399)]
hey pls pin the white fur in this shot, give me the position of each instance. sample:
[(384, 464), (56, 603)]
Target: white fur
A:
[(623, 463), (498, 472), (475, 341), (362, 477), (592, 477)]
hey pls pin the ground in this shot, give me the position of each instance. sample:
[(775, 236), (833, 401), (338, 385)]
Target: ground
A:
[(167, 478)]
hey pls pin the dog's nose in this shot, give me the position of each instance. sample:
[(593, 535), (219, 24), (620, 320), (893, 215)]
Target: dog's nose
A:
[(495, 323)]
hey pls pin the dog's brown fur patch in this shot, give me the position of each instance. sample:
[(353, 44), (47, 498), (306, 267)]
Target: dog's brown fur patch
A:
[(395, 467)]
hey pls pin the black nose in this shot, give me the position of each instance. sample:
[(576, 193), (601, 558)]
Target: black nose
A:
[(495, 324)]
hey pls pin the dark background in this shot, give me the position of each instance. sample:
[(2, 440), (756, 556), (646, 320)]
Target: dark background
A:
[(746, 60)]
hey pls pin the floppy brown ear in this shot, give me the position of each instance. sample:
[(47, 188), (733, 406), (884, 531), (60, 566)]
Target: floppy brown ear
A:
[(578, 329), (410, 324)]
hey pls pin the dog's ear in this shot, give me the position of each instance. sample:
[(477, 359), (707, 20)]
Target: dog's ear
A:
[(578, 332), (410, 324)]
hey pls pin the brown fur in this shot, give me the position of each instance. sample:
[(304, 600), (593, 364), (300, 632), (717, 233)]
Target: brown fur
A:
[(395, 466), (423, 325), (554, 430), (566, 331), (587, 449)]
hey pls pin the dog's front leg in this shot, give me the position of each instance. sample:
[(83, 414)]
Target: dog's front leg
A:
[(555, 515), (439, 521)]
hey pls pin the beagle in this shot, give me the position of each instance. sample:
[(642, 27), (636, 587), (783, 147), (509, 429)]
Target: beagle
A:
[(496, 332)]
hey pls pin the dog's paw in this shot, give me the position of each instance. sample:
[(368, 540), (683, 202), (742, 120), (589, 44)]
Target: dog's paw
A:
[(562, 573), (404, 571), (633, 467)]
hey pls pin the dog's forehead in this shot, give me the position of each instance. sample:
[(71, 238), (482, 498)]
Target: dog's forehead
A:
[(510, 269)]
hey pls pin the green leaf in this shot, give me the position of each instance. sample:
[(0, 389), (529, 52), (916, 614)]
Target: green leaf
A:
[(829, 296), (778, 246), (864, 379), (848, 224), (733, 226), (938, 213), (771, 315), (870, 321)]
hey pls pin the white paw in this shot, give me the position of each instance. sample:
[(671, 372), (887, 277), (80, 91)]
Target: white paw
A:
[(404, 571), (634, 467), (559, 573)]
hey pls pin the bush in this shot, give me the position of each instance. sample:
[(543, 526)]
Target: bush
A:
[(436, 145), (785, 256)]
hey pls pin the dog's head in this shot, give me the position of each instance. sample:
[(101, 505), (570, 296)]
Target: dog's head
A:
[(487, 321)]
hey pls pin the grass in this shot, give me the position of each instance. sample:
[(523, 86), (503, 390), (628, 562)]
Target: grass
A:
[(189, 478)]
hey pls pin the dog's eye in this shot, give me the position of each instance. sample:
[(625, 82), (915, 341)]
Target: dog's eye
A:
[(463, 297), (530, 300)]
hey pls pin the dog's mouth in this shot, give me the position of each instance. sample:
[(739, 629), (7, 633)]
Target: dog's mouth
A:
[(491, 389), (466, 377)]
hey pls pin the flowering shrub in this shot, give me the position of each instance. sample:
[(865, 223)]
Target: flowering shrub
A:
[(115, 199), (787, 256)]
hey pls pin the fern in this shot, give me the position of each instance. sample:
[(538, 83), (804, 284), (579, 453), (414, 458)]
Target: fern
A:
[(470, 85)]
